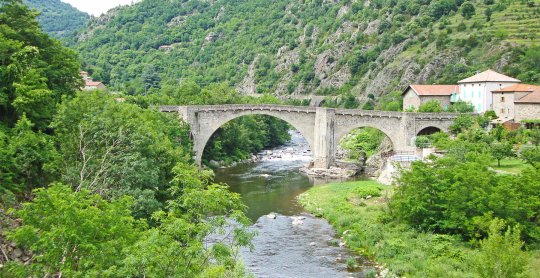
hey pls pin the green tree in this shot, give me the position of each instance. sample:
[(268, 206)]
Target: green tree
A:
[(500, 151), (86, 239), (35, 71), (461, 107), (534, 136), (115, 148), (531, 155), (179, 246), (432, 106), (500, 254), (467, 10), (461, 123), (488, 12)]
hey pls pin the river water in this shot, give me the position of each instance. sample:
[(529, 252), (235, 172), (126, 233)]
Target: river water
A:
[(294, 244)]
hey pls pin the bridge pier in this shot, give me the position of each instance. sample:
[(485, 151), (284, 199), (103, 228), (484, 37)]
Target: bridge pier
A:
[(324, 141)]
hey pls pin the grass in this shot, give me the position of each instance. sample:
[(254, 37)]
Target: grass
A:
[(511, 165), (357, 210)]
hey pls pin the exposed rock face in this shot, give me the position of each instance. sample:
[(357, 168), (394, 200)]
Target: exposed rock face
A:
[(376, 162), (8, 250), (372, 27), (248, 85)]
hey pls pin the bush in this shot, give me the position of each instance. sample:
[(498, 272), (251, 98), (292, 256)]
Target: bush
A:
[(432, 106), (500, 253)]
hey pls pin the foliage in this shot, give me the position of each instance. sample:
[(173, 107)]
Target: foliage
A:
[(468, 10), (500, 253), (35, 71), (461, 123), (57, 18), (115, 148), (87, 238), (391, 102), (96, 237), (366, 229), (432, 106), (200, 232), (534, 136), (422, 142), (461, 107), (458, 195), (531, 155), (500, 151), (362, 143)]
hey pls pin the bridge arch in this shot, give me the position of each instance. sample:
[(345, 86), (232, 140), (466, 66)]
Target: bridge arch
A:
[(428, 130), (342, 132), (209, 125)]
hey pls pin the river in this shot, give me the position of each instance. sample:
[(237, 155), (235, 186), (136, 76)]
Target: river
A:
[(294, 244)]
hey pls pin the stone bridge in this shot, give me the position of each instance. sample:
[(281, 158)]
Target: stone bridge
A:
[(323, 128)]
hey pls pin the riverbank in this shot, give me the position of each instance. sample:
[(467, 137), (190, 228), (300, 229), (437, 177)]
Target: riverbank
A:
[(357, 212)]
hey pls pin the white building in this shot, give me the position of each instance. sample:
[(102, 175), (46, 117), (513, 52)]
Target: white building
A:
[(477, 89)]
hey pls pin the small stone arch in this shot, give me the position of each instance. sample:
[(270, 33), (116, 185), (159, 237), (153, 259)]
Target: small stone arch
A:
[(428, 130), (201, 139)]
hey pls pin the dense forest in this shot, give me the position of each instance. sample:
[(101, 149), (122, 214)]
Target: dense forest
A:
[(365, 49), (57, 18), (90, 186)]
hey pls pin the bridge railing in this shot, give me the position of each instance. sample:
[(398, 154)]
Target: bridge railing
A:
[(307, 109)]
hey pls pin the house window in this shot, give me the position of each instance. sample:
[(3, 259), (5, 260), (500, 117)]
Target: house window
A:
[(502, 99), (502, 110)]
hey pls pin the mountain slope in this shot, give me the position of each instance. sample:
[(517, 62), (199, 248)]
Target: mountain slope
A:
[(364, 48), (57, 18)]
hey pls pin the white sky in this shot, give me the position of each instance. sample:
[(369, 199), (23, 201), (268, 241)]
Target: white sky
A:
[(97, 7)]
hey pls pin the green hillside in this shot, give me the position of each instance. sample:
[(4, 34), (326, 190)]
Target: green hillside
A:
[(362, 48), (57, 18)]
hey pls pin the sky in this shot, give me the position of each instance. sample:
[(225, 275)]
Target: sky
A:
[(96, 7)]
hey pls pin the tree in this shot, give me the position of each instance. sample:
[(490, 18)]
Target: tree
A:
[(35, 71), (500, 151), (116, 149), (488, 12), (468, 10), (87, 238), (461, 107), (500, 254), (531, 155), (432, 106), (534, 136), (461, 123)]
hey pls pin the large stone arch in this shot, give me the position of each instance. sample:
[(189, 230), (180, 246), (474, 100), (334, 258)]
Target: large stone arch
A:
[(391, 127), (209, 122)]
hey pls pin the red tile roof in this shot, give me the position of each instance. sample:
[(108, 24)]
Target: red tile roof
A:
[(518, 88), (93, 83), (533, 97), (433, 90), (487, 76)]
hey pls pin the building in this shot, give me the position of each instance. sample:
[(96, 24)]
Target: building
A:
[(416, 95), (477, 89), (506, 99), (89, 83), (513, 102)]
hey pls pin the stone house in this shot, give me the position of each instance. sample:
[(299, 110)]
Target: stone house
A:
[(416, 95), (477, 89), (89, 83), (528, 107), (511, 101)]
